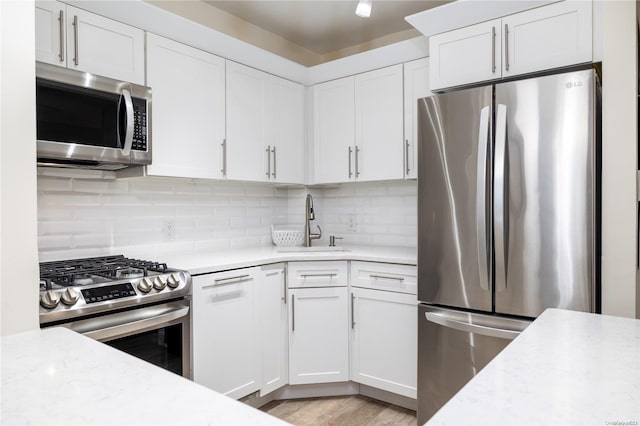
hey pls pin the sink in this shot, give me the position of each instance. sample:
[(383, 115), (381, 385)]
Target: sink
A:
[(318, 249)]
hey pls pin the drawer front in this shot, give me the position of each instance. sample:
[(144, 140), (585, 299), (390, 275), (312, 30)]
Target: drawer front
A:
[(317, 274), (385, 276)]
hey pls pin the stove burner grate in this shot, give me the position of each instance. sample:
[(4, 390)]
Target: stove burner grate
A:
[(79, 271)]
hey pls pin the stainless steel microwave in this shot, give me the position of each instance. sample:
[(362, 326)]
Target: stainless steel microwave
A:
[(89, 121)]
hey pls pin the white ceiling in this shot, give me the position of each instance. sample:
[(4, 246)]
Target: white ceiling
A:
[(325, 26)]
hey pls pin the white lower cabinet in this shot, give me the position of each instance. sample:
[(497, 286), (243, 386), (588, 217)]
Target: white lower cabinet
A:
[(318, 335), (226, 326), (272, 298), (384, 340)]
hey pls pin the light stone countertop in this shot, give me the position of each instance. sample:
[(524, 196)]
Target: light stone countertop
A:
[(242, 258), (566, 368), (58, 377)]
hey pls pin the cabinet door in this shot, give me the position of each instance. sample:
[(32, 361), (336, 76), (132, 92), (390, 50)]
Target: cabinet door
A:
[(188, 126), (50, 33), (285, 130), (334, 131), (105, 47), (226, 355), (246, 147), (468, 55), (273, 329), (379, 124), (384, 340), (547, 37), (416, 86), (318, 339)]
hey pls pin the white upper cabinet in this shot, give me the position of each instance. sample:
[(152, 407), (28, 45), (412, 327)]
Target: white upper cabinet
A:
[(358, 127), (379, 124), (188, 125), (547, 37), (246, 157), (265, 126), (72, 37), (50, 33), (285, 131), (467, 55), (333, 131), (416, 86)]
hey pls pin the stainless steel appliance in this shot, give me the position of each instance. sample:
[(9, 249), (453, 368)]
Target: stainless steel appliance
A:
[(140, 307), (85, 120), (507, 219)]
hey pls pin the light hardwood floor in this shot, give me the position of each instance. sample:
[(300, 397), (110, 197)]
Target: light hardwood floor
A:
[(340, 411)]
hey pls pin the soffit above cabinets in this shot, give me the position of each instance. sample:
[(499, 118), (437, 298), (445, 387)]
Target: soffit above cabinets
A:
[(309, 32)]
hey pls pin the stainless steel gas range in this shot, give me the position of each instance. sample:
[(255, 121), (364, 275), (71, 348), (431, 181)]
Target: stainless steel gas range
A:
[(140, 307)]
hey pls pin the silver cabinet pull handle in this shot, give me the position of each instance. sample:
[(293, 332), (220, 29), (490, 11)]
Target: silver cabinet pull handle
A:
[(493, 50), (406, 155), (284, 285), (357, 168), (471, 328), (224, 157), (506, 46), (76, 60), (318, 275), (231, 280), (481, 197), (61, 19), (350, 173), (353, 318), (273, 150), (268, 161), (385, 277), (293, 312)]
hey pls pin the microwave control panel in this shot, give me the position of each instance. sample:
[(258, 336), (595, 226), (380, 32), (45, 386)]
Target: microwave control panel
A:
[(140, 125)]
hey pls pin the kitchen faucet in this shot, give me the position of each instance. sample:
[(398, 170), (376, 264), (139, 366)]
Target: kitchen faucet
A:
[(309, 216)]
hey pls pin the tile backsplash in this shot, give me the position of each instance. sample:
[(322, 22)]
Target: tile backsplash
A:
[(88, 213)]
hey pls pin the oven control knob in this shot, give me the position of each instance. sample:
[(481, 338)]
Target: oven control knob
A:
[(145, 285), (159, 283), (50, 299), (70, 296), (174, 280)]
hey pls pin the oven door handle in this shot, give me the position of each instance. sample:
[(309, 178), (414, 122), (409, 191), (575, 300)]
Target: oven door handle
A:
[(129, 328)]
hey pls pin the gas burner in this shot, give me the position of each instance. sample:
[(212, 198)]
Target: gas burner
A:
[(130, 273), (83, 279)]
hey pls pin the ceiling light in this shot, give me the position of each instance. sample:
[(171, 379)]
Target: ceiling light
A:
[(363, 9)]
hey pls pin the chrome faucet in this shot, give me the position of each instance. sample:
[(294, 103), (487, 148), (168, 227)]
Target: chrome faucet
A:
[(309, 216)]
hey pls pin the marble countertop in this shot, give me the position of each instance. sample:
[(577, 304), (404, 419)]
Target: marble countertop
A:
[(232, 259), (566, 368), (58, 377)]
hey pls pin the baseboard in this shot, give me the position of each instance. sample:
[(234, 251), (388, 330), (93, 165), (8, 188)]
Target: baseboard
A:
[(329, 389), (390, 397)]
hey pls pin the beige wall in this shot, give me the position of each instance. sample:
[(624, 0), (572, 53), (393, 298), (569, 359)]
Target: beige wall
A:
[(619, 158), (19, 273)]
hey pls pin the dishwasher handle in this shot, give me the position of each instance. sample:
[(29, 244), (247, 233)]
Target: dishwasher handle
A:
[(471, 328)]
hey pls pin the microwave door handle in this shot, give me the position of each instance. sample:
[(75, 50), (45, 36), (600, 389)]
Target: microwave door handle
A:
[(128, 125)]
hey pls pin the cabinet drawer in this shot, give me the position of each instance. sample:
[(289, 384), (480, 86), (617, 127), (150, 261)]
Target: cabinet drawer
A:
[(384, 276), (317, 274)]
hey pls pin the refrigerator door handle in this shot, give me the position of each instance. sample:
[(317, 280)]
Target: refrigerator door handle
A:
[(481, 198), (471, 328), (499, 199)]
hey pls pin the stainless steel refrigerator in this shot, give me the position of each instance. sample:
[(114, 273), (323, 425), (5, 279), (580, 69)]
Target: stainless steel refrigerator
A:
[(507, 219)]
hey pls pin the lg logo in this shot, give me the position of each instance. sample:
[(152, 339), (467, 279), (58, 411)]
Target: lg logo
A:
[(571, 84)]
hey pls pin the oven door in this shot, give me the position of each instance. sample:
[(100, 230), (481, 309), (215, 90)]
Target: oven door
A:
[(159, 334)]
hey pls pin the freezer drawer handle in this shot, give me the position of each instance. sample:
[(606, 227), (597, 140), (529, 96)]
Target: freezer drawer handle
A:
[(471, 328)]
